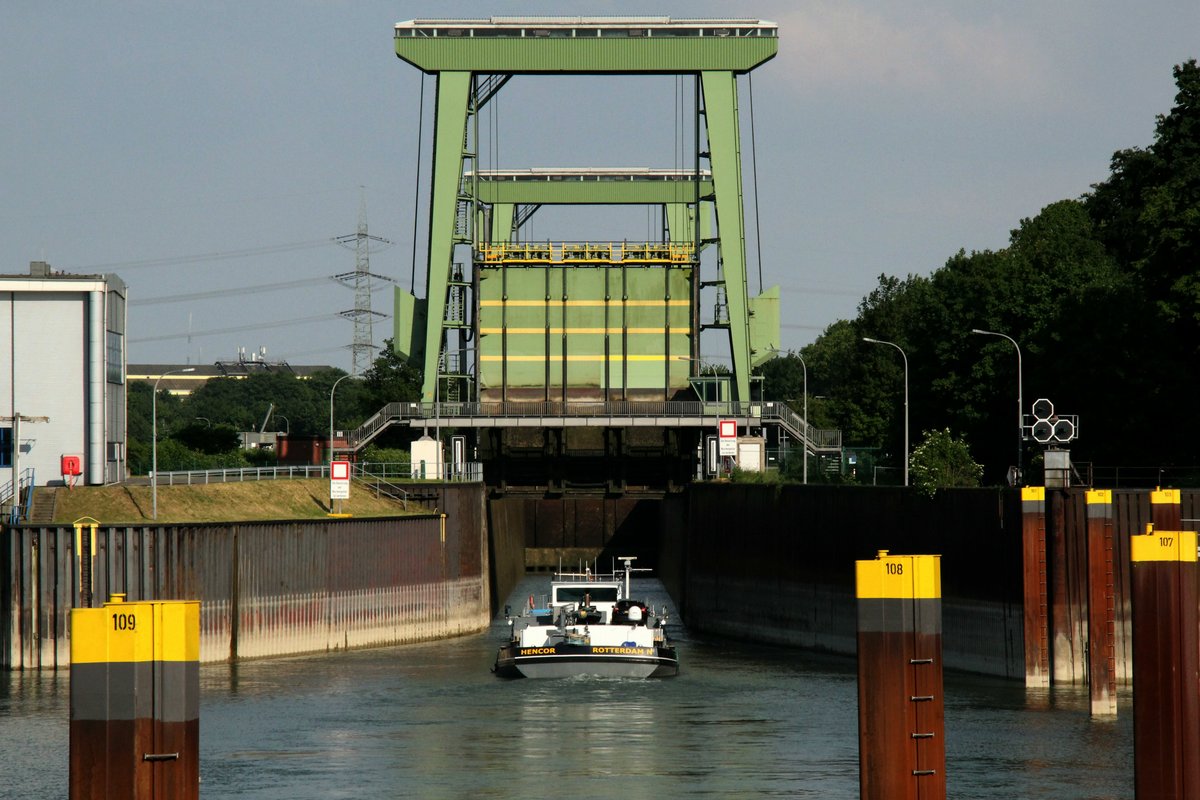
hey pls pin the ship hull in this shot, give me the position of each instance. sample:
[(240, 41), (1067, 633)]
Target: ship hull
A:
[(566, 661)]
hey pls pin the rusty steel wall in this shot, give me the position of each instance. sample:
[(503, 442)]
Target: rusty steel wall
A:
[(579, 529), (269, 588), (776, 564)]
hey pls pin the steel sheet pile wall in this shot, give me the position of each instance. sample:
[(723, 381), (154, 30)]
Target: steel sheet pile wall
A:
[(507, 522), (574, 530), (270, 588), (776, 564)]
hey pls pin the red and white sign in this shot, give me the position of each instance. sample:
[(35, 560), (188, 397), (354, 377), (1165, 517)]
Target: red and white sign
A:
[(339, 480), (727, 437)]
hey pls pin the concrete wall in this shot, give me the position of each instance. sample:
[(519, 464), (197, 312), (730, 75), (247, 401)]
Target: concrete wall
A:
[(266, 589)]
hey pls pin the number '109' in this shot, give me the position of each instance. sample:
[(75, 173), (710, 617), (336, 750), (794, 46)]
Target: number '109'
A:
[(124, 622)]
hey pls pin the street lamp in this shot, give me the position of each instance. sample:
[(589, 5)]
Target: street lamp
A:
[(288, 423), (331, 391), (905, 357), (804, 444), (1020, 399), (154, 440)]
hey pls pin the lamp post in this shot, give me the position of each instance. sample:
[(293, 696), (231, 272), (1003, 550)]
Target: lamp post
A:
[(331, 391), (154, 440), (804, 444), (1020, 390), (287, 423), (905, 357)]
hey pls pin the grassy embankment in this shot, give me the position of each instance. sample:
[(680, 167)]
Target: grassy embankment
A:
[(298, 498)]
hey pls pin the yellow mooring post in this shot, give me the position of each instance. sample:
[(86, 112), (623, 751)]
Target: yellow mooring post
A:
[(135, 700), (901, 709), (1034, 586), (1166, 665)]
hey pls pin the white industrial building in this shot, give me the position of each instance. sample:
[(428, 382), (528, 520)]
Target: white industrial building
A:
[(62, 378)]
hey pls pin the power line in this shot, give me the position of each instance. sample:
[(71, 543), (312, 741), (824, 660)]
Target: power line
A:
[(824, 290), (236, 290), (175, 261), (237, 329)]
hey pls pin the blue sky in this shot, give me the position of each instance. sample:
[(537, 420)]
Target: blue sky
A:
[(210, 148)]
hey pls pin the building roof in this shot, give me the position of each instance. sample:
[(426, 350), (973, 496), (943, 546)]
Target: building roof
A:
[(179, 382), (41, 277)]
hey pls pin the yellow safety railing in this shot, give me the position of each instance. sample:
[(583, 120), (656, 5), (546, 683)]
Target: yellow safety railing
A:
[(586, 253)]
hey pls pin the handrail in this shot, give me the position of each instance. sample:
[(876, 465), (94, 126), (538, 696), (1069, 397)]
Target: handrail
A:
[(608, 252), (771, 411), (9, 494), (383, 487), (240, 474), (29, 496)]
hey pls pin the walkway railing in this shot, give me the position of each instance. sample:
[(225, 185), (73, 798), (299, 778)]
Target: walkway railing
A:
[(236, 475), (392, 471), (817, 439), (10, 496)]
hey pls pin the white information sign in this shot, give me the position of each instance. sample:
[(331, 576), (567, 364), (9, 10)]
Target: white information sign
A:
[(339, 480), (727, 437)]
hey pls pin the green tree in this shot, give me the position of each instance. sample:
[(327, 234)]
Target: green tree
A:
[(1148, 210), (391, 379), (941, 461)]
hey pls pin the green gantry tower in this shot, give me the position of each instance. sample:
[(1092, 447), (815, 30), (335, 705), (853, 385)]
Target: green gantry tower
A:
[(583, 322)]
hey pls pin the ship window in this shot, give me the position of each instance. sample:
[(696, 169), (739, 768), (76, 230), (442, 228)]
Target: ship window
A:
[(574, 594), (6, 447)]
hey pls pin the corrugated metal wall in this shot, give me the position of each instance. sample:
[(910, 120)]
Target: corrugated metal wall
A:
[(270, 588), (776, 564)]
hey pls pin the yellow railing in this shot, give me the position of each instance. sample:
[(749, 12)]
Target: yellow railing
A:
[(587, 253)]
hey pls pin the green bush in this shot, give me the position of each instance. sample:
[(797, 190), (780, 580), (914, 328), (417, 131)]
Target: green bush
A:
[(941, 461)]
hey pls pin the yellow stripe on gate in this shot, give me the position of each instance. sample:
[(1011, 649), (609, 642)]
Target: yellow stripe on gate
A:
[(888, 577)]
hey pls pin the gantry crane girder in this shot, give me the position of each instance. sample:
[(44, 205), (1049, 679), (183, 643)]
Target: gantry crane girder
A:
[(472, 58)]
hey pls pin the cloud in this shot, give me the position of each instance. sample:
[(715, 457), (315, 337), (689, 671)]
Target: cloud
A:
[(839, 46)]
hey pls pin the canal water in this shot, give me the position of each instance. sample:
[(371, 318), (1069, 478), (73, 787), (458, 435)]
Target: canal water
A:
[(430, 721)]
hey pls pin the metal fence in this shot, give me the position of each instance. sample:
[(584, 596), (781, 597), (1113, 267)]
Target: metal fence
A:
[(470, 472)]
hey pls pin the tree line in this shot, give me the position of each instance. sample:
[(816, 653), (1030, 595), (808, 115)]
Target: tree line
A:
[(1101, 294), (201, 430)]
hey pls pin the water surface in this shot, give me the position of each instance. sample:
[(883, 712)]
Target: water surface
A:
[(431, 721)]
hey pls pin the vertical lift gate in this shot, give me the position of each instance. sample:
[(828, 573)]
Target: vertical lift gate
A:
[(570, 323)]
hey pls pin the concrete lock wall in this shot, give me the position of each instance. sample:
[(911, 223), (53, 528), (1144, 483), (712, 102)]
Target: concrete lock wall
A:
[(266, 588)]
